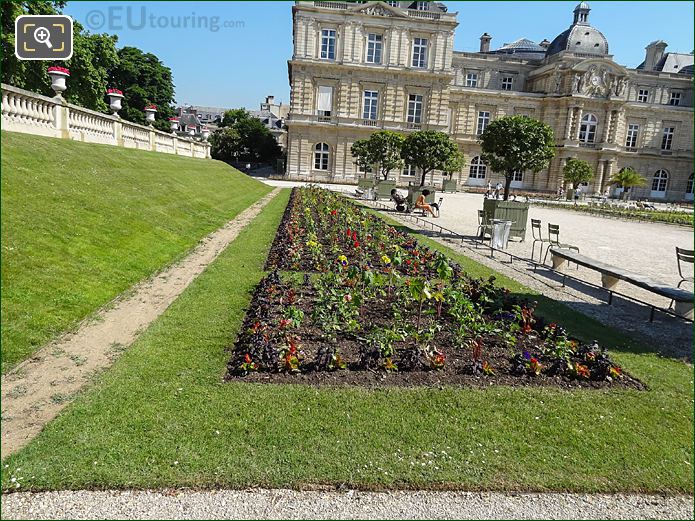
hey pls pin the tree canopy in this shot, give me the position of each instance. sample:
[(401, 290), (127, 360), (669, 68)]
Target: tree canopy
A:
[(428, 150), (144, 80), (243, 137), (517, 144), (94, 55), (382, 148), (577, 171), (455, 164), (95, 66)]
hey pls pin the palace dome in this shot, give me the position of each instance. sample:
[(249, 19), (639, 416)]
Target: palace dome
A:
[(580, 38)]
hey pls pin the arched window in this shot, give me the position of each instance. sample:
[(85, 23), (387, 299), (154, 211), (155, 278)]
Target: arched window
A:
[(689, 186), (659, 181), (321, 156), (587, 128), (478, 169)]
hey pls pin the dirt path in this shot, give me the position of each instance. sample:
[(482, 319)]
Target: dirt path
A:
[(351, 504), (35, 391)]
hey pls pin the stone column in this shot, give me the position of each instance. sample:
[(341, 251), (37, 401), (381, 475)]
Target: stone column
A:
[(570, 122), (580, 113), (607, 173), (607, 126), (62, 118)]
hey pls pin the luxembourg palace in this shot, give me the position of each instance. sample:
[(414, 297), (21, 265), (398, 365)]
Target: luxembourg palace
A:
[(358, 67)]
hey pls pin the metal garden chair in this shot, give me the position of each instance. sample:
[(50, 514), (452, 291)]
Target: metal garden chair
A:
[(483, 225), (685, 257), (537, 234), (554, 240)]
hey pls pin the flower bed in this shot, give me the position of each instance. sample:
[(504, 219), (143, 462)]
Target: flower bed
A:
[(368, 305)]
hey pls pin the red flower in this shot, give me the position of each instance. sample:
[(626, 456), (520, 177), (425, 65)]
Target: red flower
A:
[(247, 358), (357, 244), (114, 91), (347, 297), (354, 236), (56, 68), (334, 212), (349, 232)]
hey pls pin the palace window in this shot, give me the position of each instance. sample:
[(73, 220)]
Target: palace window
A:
[(659, 181), (643, 95), (518, 177), (632, 133), (328, 44), (324, 102), (321, 153), (374, 46), (420, 52), (587, 128), (393, 3), (409, 171), (472, 79), (371, 104), (478, 169), (689, 186), (483, 121), (422, 6), (675, 99), (414, 108), (507, 82), (667, 138)]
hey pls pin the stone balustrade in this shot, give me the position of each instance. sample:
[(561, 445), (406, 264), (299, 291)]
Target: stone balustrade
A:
[(31, 113)]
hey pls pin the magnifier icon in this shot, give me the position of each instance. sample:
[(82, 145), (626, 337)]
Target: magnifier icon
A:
[(42, 35)]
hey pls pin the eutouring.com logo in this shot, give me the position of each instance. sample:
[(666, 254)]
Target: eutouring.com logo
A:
[(136, 18)]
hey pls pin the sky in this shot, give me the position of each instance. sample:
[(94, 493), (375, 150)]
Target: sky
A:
[(233, 54)]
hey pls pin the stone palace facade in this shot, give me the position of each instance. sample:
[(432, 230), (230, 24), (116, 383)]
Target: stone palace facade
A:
[(360, 67)]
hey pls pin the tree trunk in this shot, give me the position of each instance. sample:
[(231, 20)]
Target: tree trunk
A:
[(507, 185), (424, 176)]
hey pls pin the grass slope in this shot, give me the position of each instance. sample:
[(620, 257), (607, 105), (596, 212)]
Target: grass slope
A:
[(81, 223), (162, 416)]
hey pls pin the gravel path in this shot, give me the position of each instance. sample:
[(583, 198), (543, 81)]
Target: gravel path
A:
[(36, 390), (289, 504)]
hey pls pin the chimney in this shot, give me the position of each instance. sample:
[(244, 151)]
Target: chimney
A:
[(655, 51), (545, 43), (485, 42), (269, 99)]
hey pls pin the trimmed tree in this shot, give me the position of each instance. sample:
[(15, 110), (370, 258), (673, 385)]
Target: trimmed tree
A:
[(576, 172), (627, 178), (362, 153), (517, 144), (428, 150), (455, 164), (383, 149)]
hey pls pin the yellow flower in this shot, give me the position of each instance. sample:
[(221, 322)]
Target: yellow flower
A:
[(385, 259), (343, 260), (312, 244)]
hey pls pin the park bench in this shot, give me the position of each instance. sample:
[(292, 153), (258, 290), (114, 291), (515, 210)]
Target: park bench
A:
[(611, 275)]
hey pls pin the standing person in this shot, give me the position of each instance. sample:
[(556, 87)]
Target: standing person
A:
[(422, 204), (488, 193), (577, 194), (498, 190)]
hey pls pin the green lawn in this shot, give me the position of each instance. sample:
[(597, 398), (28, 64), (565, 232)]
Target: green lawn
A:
[(163, 417), (81, 223)]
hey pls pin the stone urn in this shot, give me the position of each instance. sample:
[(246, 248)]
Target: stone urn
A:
[(150, 111), (58, 76), (191, 130), (115, 98), (205, 133), (174, 124)]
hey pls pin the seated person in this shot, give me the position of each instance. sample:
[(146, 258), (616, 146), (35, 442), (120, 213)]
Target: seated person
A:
[(399, 200), (420, 203)]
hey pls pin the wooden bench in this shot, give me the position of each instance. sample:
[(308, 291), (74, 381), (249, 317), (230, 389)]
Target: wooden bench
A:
[(611, 275)]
